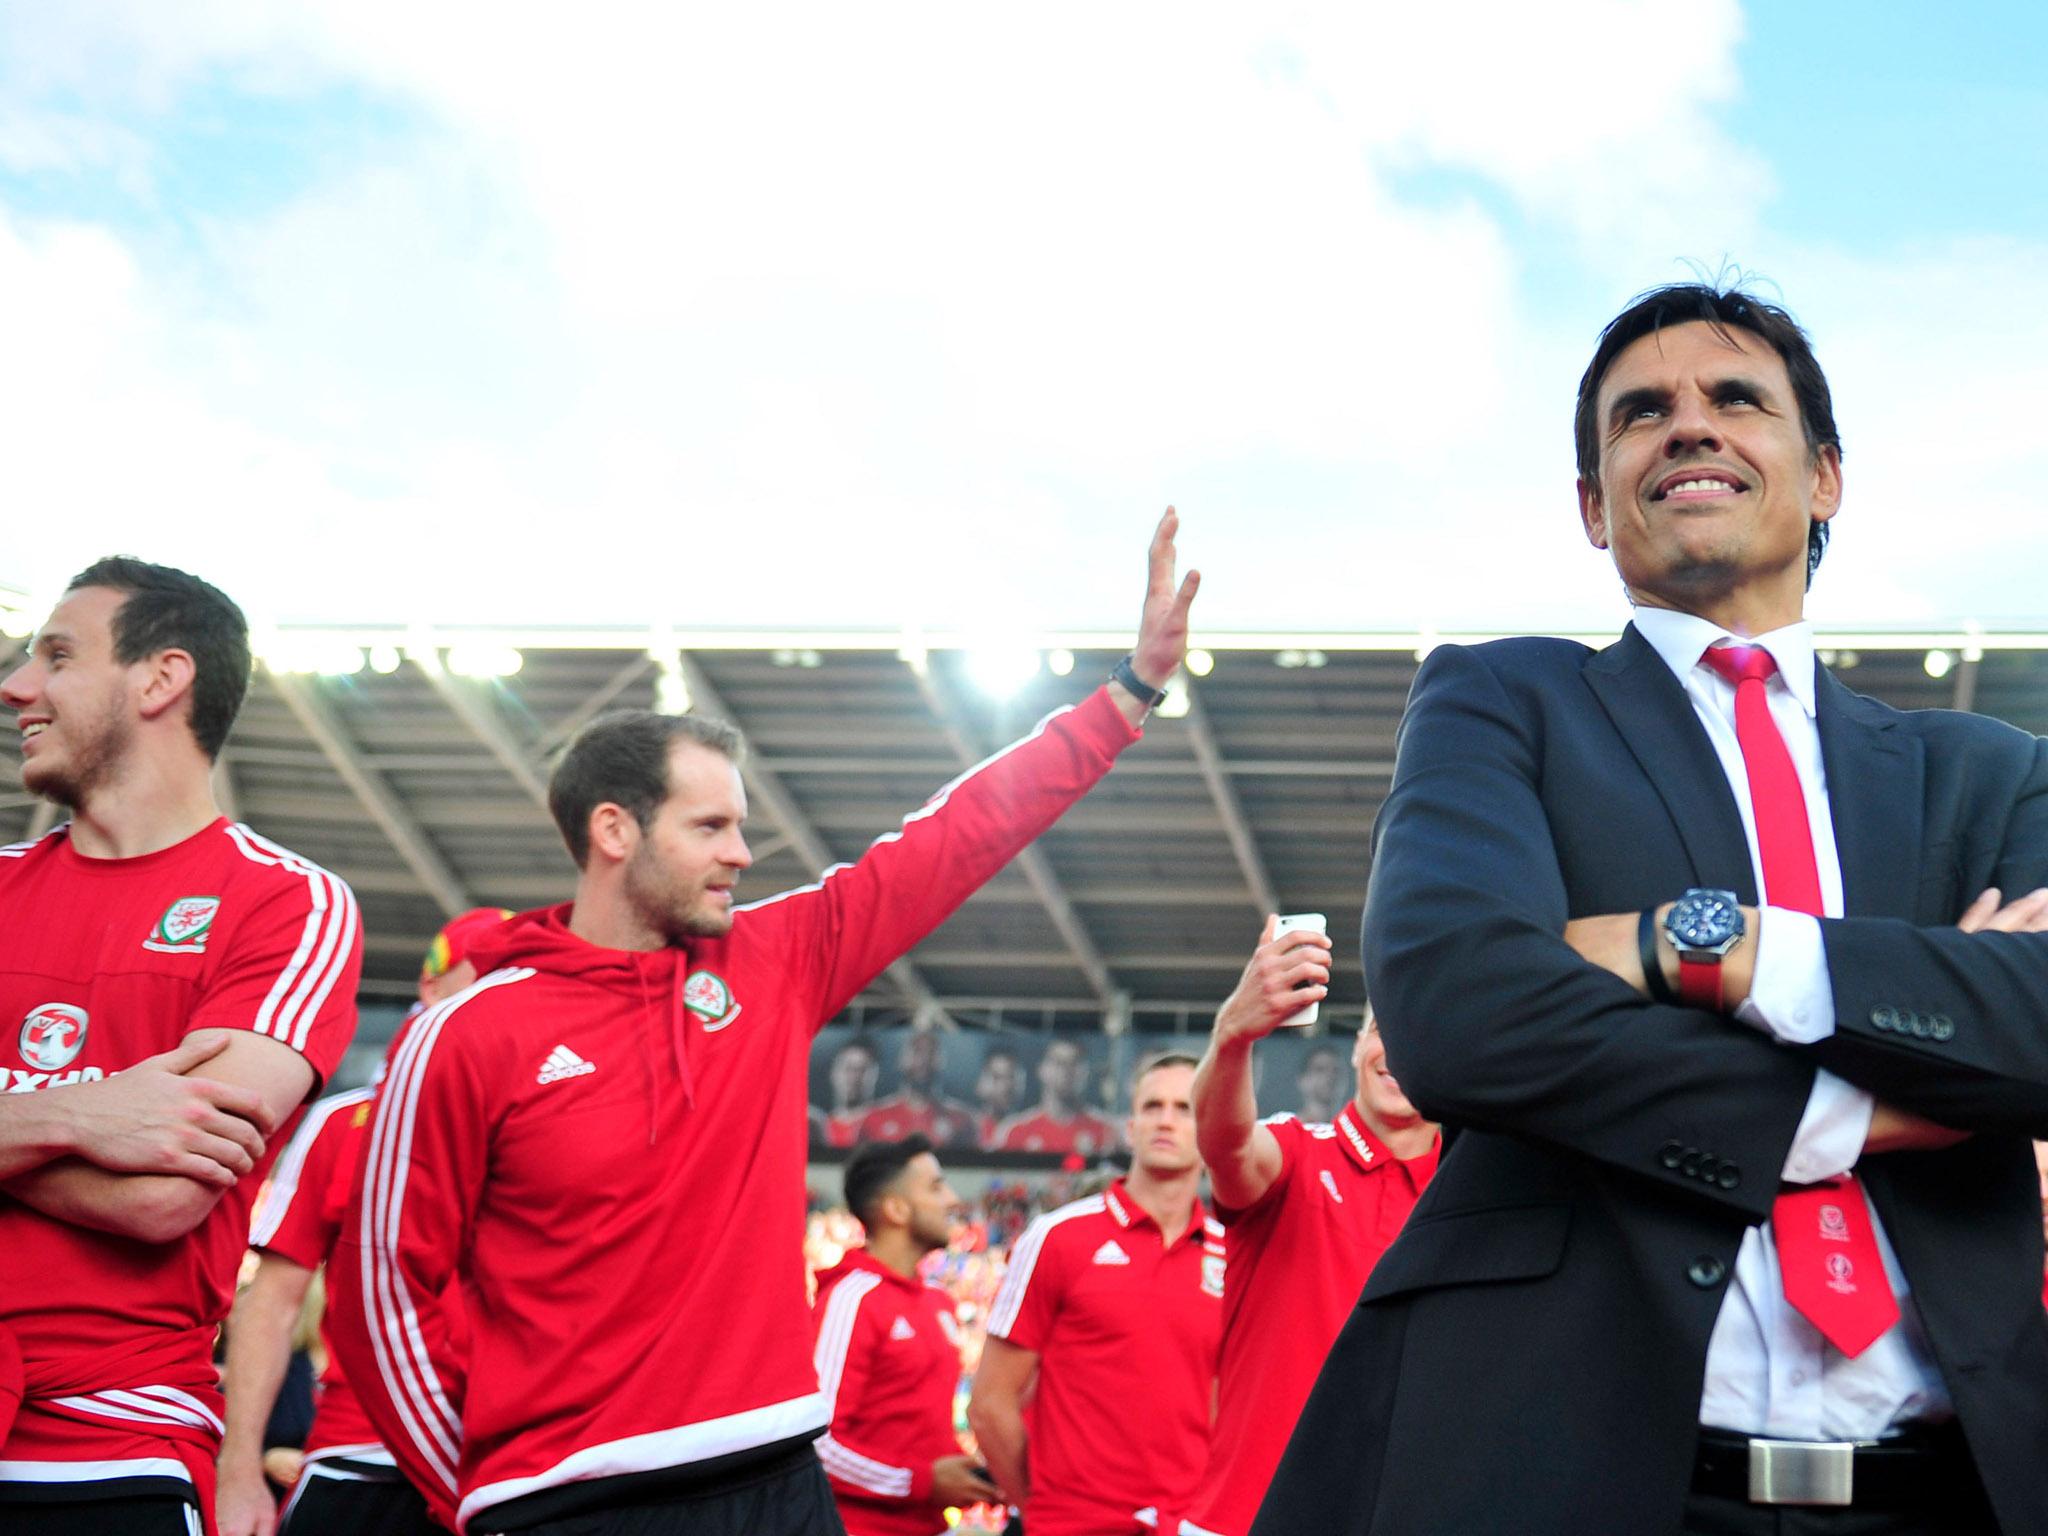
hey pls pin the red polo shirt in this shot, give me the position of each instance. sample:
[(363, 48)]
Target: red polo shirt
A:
[(1298, 1259), (1126, 1329)]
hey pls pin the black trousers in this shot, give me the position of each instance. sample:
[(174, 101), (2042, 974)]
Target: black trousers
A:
[(1708, 1515), (150, 1515), (334, 1502), (791, 1501)]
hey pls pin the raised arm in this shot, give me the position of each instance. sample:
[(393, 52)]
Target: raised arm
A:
[(1243, 1157), (861, 917)]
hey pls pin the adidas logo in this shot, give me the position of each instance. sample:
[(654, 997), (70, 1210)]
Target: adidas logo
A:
[(1109, 1253), (901, 1329), (563, 1062)]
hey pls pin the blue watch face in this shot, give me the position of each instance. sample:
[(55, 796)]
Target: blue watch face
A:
[(1705, 919)]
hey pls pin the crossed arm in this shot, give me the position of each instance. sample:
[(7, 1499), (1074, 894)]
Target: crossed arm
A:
[(147, 1152)]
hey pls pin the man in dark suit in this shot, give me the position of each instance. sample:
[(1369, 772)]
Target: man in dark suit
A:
[(1745, 1239)]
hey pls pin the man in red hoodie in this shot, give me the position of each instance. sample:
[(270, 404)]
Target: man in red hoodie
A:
[(604, 1135), (888, 1353)]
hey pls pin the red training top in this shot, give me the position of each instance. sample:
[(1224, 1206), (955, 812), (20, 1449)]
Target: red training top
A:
[(1126, 1330), (946, 1123), (888, 1358), (1298, 1259), (1037, 1131), (108, 961), (603, 1145)]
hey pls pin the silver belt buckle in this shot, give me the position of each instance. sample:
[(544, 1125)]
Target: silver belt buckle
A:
[(1802, 1472)]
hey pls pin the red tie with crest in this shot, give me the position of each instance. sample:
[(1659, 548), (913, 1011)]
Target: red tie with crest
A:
[(1827, 1248)]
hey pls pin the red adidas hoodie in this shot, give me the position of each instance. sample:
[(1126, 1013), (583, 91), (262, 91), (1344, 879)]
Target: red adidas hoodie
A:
[(606, 1149), (888, 1358)]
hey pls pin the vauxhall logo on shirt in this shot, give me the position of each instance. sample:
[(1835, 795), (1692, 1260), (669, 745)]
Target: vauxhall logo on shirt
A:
[(51, 1037)]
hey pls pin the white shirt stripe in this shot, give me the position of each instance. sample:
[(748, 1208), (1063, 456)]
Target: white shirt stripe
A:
[(1002, 1314)]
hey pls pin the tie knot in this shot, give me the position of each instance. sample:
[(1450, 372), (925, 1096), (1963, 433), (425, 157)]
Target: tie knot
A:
[(1741, 663)]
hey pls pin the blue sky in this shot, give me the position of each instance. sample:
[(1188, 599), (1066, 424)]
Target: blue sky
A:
[(790, 316)]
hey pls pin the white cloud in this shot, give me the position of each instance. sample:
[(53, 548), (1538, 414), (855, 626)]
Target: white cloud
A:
[(813, 313)]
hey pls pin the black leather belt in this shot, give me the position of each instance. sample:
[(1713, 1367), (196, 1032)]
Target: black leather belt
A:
[(1915, 1468)]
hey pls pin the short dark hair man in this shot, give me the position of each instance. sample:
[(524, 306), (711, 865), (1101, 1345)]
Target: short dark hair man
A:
[(1060, 1121), (1320, 1082), (1609, 1239), (1307, 1210), (601, 1130), (215, 973), (887, 1350), (1110, 1304), (996, 1088), (850, 1077)]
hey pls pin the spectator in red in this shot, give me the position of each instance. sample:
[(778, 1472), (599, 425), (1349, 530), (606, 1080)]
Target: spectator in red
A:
[(1308, 1209), (1059, 1122), (1093, 1398), (919, 1106), (996, 1089), (348, 1482), (888, 1353), (850, 1079)]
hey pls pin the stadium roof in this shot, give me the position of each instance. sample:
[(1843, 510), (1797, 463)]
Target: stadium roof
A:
[(414, 766)]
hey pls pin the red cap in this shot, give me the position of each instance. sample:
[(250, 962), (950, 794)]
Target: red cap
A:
[(451, 945)]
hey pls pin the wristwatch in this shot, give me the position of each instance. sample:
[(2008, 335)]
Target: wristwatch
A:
[(1703, 926), (1126, 676)]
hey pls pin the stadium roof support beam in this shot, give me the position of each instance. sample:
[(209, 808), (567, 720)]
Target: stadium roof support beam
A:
[(1966, 679), (767, 791), (1037, 869), (595, 705), (1235, 827), (485, 724), (406, 836)]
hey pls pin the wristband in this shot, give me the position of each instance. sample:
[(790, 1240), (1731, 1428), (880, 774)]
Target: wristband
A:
[(1122, 675), (1653, 961)]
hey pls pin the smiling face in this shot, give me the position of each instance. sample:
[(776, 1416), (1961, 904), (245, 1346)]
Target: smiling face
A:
[(75, 704), (680, 878), (1380, 1098), (1707, 485)]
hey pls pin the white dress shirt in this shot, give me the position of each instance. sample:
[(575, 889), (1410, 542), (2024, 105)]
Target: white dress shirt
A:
[(1769, 1371)]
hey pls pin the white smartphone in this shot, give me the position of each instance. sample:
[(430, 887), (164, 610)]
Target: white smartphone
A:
[(1313, 922)]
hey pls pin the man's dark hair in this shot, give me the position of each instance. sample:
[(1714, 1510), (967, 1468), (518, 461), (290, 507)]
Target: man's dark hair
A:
[(875, 1167), (862, 1044), (1724, 309), (622, 759), (165, 609)]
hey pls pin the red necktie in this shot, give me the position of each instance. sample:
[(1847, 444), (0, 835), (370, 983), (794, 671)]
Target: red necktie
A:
[(1827, 1249)]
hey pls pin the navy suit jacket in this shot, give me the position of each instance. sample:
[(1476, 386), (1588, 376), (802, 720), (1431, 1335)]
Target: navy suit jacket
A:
[(1528, 1356)]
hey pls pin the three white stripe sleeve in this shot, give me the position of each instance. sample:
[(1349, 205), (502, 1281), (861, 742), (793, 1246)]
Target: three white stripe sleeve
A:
[(841, 1358), (398, 1251)]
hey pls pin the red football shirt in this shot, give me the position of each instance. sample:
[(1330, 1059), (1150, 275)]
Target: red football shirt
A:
[(299, 1218), (896, 1117), (1126, 1330), (108, 961), (1037, 1131), (888, 1357), (1298, 1259)]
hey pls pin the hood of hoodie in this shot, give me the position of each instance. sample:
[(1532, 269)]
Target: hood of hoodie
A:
[(541, 940)]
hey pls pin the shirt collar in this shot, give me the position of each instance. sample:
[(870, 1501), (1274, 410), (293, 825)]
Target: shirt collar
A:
[(1369, 1152), (1126, 1212), (1681, 638)]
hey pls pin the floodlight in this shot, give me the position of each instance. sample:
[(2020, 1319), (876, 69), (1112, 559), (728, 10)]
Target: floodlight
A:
[(1060, 662), (385, 659), (999, 670), (1937, 664), (484, 661), (1200, 662), (1178, 700)]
